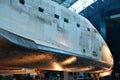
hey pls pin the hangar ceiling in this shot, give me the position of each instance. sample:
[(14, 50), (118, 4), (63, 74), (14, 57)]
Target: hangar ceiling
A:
[(66, 3), (75, 5)]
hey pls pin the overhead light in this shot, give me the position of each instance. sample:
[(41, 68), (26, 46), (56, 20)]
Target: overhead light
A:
[(80, 5)]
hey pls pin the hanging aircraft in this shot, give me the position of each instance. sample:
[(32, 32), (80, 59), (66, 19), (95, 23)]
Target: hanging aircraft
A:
[(43, 34)]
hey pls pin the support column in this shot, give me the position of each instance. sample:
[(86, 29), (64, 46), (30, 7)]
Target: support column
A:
[(95, 76), (39, 72), (65, 76)]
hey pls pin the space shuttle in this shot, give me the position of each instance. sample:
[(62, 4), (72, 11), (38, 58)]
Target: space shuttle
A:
[(45, 35)]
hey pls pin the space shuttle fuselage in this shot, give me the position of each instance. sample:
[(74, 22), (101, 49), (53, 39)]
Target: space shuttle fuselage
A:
[(43, 34)]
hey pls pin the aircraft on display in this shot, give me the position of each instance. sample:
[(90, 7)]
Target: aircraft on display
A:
[(45, 35)]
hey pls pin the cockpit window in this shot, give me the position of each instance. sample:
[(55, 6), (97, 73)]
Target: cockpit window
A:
[(22, 2), (78, 25), (66, 20), (56, 16), (41, 9), (88, 29)]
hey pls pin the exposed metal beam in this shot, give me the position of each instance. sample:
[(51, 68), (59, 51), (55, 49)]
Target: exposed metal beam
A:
[(59, 1), (68, 3), (115, 16)]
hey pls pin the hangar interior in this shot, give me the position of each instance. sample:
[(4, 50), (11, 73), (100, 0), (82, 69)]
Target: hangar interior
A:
[(105, 16)]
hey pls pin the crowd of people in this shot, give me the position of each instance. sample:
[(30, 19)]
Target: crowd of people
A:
[(49, 76), (19, 77)]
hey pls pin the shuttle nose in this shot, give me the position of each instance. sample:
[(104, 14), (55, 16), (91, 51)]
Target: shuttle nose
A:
[(106, 55)]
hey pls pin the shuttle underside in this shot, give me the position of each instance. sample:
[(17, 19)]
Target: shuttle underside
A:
[(31, 38), (32, 55)]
